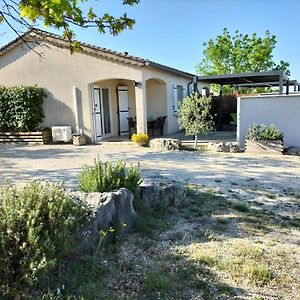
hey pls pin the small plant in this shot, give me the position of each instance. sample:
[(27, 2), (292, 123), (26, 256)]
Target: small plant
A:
[(263, 132), (140, 138), (37, 224), (106, 177), (156, 281)]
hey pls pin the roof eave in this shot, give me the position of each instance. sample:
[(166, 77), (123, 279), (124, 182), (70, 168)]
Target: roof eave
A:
[(169, 69), (44, 36)]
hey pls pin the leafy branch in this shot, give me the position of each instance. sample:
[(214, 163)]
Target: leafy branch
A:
[(26, 15)]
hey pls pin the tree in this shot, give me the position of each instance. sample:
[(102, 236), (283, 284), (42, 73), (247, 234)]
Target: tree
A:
[(240, 53), (62, 14), (194, 115)]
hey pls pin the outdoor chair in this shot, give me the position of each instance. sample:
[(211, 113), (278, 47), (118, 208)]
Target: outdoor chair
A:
[(162, 124), (158, 124)]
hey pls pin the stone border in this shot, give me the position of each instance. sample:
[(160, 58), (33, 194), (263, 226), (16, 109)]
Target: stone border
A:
[(116, 208)]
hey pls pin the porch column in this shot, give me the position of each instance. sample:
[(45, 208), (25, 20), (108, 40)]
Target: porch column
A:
[(141, 107)]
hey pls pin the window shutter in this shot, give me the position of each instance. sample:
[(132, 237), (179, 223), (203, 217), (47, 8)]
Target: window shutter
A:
[(185, 94), (175, 99)]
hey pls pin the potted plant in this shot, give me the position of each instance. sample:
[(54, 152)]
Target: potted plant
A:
[(79, 139), (262, 138), (141, 139)]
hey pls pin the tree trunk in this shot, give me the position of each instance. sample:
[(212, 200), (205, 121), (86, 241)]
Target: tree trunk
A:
[(196, 141)]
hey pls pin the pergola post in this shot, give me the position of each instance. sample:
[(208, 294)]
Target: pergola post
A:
[(220, 118), (281, 84)]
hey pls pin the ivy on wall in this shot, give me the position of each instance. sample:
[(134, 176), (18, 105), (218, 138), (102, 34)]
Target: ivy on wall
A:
[(21, 108)]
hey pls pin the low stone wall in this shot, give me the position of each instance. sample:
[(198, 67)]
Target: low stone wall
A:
[(116, 208), (165, 144), (226, 147), (108, 209)]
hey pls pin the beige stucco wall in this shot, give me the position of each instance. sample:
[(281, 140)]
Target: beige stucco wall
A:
[(281, 110), (58, 72), (156, 95), (169, 79)]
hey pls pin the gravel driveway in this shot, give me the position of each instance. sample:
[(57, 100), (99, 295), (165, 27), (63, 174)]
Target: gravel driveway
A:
[(269, 187), (63, 162)]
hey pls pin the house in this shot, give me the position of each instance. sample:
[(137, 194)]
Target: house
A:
[(97, 89)]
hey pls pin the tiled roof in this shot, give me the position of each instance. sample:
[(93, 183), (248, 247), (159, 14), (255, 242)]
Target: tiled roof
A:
[(59, 41)]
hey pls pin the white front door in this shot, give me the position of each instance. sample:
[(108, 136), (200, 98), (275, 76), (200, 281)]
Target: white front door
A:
[(123, 110), (101, 113)]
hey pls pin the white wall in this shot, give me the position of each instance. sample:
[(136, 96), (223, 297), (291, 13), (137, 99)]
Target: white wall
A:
[(281, 110)]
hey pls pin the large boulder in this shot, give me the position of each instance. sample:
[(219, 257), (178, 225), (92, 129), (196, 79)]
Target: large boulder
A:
[(160, 194), (165, 144), (108, 209)]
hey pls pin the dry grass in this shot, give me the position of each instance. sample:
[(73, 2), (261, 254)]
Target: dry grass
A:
[(208, 249)]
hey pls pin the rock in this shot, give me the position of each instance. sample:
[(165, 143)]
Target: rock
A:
[(165, 144), (293, 151), (160, 194), (222, 147), (234, 148), (108, 209), (227, 147)]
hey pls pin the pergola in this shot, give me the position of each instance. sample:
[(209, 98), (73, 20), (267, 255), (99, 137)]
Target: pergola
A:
[(251, 80)]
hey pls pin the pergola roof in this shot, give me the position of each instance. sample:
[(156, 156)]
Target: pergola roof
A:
[(246, 78)]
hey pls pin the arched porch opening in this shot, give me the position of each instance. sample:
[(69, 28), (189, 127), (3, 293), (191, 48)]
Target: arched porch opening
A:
[(156, 94)]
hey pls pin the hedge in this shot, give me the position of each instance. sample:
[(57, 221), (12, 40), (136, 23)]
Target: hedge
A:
[(21, 108)]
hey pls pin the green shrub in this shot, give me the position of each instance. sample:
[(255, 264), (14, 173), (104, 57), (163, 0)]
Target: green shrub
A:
[(263, 132), (37, 226), (21, 108), (106, 177)]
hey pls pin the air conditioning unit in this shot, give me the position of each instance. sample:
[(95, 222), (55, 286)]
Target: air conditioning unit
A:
[(61, 133)]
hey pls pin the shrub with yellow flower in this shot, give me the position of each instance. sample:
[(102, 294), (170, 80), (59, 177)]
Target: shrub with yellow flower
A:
[(141, 139)]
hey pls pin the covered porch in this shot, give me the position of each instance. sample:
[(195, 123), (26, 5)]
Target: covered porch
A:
[(120, 107)]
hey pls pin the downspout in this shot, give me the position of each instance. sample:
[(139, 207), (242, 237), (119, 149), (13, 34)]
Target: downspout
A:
[(188, 87), (194, 82), (75, 98)]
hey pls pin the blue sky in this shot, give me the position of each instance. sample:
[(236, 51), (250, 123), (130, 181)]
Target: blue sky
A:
[(172, 32)]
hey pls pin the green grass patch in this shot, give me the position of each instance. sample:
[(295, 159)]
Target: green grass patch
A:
[(259, 274), (242, 207), (270, 196), (155, 280), (295, 222), (223, 221)]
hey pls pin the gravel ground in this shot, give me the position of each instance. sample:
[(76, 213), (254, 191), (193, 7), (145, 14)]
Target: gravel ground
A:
[(63, 162), (268, 186)]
